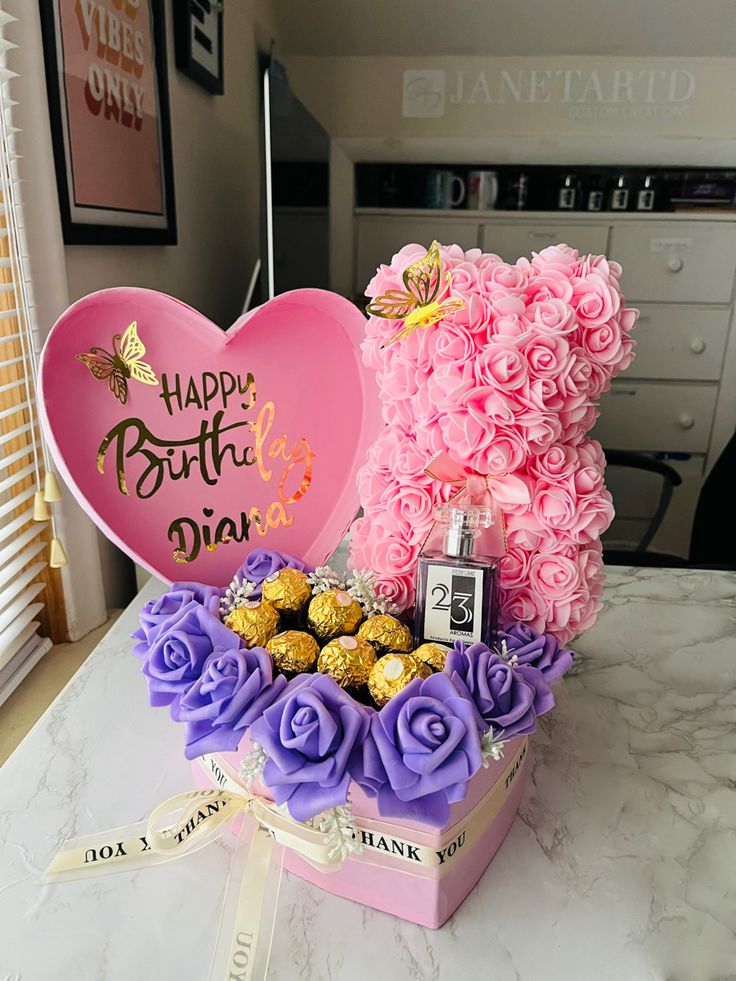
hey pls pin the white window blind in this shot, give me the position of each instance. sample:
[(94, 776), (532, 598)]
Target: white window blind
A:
[(27, 542)]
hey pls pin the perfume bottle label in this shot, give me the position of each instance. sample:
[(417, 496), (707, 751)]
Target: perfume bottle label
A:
[(620, 199), (566, 198), (454, 607), (595, 200)]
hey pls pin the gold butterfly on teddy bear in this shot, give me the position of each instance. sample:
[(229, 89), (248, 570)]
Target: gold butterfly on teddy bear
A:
[(417, 305)]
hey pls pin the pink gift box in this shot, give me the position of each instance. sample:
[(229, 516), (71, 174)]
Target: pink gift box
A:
[(406, 868)]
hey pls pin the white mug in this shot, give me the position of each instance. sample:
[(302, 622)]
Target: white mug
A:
[(439, 189), (482, 190)]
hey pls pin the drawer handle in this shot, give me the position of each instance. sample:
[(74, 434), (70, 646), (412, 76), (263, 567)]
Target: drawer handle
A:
[(545, 235), (697, 345), (675, 264), (686, 420), (644, 319)]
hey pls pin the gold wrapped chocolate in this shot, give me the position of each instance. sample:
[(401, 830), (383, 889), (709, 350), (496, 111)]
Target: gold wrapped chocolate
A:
[(293, 650), (287, 590), (348, 660), (393, 672), (434, 655), (386, 633), (332, 613), (256, 622)]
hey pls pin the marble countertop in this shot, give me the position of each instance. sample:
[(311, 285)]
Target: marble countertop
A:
[(620, 867)]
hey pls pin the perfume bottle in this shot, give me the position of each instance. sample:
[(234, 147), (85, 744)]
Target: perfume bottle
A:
[(457, 589)]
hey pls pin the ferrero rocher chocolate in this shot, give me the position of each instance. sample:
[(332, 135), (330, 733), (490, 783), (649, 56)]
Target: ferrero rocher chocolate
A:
[(287, 590), (434, 655), (386, 633), (348, 660), (256, 622), (293, 650), (393, 672), (332, 613)]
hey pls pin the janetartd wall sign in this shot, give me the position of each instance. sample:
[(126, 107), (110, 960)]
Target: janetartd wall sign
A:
[(188, 446), (502, 98), (108, 101)]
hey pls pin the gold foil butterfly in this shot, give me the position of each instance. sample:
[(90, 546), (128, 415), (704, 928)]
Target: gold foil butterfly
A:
[(124, 363), (417, 305)]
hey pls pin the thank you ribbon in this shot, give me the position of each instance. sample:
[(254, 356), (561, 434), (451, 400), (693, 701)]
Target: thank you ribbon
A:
[(493, 491), (189, 821)]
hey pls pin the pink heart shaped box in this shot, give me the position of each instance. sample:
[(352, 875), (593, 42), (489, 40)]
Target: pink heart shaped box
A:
[(316, 411)]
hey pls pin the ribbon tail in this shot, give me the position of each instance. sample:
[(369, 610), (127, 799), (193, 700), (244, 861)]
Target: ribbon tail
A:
[(243, 950)]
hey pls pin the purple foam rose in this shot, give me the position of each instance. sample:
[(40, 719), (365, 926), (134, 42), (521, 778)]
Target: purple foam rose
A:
[(424, 747), (311, 736), (263, 562), (177, 656), (507, 699), (541, 651), (235, 687), (156, 612)]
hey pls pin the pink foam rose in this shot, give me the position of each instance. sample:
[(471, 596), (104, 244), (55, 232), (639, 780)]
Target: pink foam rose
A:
[(506, 452), (412, 501), (546, 354), (398, 589), (523, 604), (552, 316), (507, 328), (371, 485), (513, 567), (452, 345), (562, 257), (513, 279), (555, 464), (475, 317), (594, 515), (604, 344), (465, 435), (550, 284), (360, 537), (595, 300), (501, 365), (554, 505), (394, 545), (464, 277), (629, 318), (554, 576), (573, 380)]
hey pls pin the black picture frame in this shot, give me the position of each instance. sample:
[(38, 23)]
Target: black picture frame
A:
[(155, 228), (188, 16)]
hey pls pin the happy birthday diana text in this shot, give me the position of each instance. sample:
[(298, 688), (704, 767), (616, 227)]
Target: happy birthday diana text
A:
[(246, 442)]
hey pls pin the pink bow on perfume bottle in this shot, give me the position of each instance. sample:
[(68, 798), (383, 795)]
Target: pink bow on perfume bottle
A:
[(487, 490)]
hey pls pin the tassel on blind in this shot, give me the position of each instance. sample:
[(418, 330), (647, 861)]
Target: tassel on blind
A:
[(57, 555), (51, 489), (40, 507)]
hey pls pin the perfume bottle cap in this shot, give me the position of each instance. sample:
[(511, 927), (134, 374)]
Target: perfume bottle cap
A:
[(462, 522)]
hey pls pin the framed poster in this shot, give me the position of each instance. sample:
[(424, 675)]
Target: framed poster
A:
[(109, 109), (198, 42)]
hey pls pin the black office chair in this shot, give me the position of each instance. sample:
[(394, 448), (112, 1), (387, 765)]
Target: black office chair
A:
[(713, 538), (670, 479)]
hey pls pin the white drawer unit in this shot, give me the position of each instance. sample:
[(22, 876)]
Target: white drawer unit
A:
[(651, 416), (680, 342), (675, 262), (520, 238), (378, 239)]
